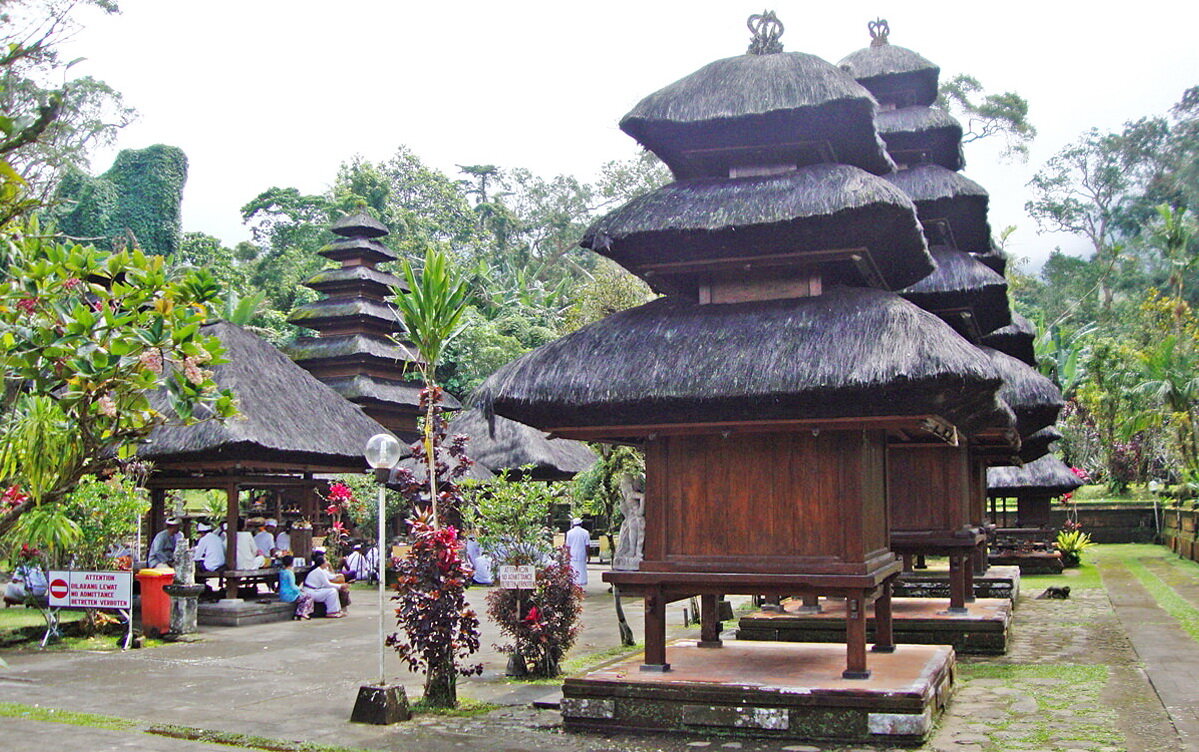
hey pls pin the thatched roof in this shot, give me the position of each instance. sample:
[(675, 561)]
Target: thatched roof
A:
[(993, 258), (922, 134), (783, 108), (287, 416), (962, 283), (360, 225), (1015, 339), (477, 471), (1036, 446), (502, 444), (816, 208), (894, 74), (1034, 398), (1048, 476), (355, 278), (366, 388), (373, 314), (951, 206), (847, 353), (347, 347), (358, 248)]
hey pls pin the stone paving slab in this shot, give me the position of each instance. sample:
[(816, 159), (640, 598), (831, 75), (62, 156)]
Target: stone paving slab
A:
[(19, 733)]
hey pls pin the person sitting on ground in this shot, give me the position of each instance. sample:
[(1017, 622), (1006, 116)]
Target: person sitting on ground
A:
[(354, 566), (289, 592), (210, 550), (327, 588), (27, 580), (480, 563), (162, 548)]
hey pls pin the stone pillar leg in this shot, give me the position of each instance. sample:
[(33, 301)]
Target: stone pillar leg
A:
[(968, 576), (811, 604), (957, 583)]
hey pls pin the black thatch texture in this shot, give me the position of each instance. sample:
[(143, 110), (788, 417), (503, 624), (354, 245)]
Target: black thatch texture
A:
[(995, 416), (477, 471), (851, 352), (358, 225), (894, 74), (502, 444), (366, 388), (785, 108), (1048, 476), (951, 206), (916, 135), (961, 283), (995, 259), (351, 347), (374, 314), (1035, 447), (287, 416), (816, 208), (1034, 398), (1015, 339), (355, 278), (367, 249)]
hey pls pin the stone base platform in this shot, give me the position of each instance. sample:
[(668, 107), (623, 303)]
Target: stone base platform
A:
[(1030, 562), (782, 690), (997, 582), (982, 630), (240, 612)]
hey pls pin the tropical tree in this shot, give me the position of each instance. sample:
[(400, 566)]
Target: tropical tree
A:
[(110, 343), (1003, 115)]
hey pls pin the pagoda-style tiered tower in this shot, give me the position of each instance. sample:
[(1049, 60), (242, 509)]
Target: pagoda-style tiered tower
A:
[(357, 351), (968, 291), (767, 383)]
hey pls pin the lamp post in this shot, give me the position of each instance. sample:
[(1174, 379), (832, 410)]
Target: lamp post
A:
[(381, 704)]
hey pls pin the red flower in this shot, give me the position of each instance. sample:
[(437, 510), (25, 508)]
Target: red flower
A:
[(71, 283), (27, 305), (332, 509)]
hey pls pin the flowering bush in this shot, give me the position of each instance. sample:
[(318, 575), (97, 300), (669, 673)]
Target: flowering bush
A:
[(440, 631), (543, 624), (339, 497)]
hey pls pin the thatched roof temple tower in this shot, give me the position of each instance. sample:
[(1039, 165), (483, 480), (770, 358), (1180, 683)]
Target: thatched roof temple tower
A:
[(766, 386), (355, 351)]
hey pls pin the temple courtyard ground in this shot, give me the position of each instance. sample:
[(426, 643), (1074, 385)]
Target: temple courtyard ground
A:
[(1115, 667)]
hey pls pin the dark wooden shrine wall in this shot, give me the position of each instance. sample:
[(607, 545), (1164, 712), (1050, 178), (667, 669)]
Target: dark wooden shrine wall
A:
[(770, 502), (929, 487)]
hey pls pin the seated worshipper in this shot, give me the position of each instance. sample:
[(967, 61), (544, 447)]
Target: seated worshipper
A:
[(283, 538), (210, 550), (248, 555), (162, 548), (265, 537), (27, 580), (479, 562), (289, 593), (354, 566), (327, 588)]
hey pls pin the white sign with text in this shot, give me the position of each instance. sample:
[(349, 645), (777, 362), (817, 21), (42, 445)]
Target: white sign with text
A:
[(518, 578), (91, 590)]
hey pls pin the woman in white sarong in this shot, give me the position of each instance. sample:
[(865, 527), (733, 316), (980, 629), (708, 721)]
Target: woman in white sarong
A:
[(325, 587)]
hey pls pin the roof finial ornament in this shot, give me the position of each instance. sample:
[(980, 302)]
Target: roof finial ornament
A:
[(766, 28), (879, 31)]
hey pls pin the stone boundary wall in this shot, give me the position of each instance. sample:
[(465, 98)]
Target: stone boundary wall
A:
[(1179, 530), (1116, 523)]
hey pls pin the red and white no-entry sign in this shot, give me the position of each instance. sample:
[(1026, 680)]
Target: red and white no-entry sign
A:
[(58, 588)]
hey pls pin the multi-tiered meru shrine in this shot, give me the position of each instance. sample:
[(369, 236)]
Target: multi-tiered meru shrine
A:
[(768, 386), (937, 493)]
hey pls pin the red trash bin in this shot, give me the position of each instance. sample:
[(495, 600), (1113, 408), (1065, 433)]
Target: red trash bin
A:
[(156, 604)]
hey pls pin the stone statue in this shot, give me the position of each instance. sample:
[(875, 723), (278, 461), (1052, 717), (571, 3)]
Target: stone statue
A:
[(630, 545)]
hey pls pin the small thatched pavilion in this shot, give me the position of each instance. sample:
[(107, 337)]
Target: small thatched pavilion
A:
[(1034, 486), (290, 428)]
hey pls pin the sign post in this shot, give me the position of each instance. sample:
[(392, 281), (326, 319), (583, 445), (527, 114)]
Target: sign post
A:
[(111, 591)]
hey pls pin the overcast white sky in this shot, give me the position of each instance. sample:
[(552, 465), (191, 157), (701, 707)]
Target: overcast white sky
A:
[(263, 93)]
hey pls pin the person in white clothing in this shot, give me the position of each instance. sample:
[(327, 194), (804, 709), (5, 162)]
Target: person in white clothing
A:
[(162, 548), (283, 538), (577, 540), (325, 587), (210, 550), (247, 550), (264, 538)]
